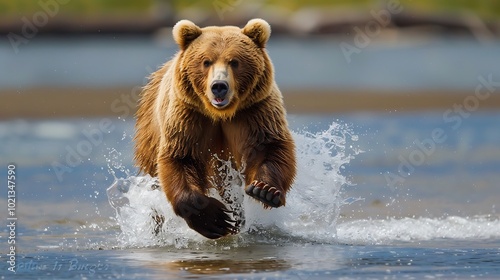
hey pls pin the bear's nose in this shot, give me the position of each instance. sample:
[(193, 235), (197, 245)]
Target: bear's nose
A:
[(219, 88)]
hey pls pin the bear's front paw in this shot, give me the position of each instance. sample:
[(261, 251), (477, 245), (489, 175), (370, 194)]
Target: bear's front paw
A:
[(207, 216), (270, 196)]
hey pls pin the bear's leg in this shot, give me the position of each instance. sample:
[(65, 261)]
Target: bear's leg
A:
[(270, 173), (184, 181)]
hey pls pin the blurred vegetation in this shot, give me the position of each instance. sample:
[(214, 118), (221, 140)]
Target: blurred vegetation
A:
[(76, 7), (487, 9)]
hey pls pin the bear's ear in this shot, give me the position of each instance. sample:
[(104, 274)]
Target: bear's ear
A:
[(185, 32), (258, 30)]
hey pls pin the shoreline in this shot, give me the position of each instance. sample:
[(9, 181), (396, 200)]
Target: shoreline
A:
[(121, 101)]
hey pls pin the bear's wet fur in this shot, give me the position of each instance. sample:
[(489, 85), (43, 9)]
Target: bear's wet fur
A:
[(216, 96)]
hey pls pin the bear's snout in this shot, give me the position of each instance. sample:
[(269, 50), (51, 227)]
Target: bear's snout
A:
[(219, 89)]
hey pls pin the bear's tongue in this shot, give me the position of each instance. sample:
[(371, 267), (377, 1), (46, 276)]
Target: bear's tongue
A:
[(219, 102)]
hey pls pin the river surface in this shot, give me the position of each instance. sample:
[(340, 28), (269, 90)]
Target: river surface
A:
[(400, 63), (379, 195), (83, 212)]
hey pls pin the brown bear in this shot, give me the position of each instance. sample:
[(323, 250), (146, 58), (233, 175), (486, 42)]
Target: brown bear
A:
[(215, 98)]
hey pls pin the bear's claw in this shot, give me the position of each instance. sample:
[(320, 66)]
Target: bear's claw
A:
[(266, 194), (211, 219)]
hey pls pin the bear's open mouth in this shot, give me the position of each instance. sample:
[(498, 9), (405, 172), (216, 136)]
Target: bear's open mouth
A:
[(220, 102)]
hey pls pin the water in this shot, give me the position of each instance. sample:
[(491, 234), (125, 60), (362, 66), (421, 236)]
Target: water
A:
[(343, 219), (314, 197), (318, 62)]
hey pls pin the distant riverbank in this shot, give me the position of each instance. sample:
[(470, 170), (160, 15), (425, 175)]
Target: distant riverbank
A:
[(121, 101), (94, 76)]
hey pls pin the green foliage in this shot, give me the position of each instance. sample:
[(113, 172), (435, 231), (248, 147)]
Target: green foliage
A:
[(79, 7), (489, 9)]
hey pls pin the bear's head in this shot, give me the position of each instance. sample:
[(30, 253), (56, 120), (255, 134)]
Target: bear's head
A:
[(221, 70)]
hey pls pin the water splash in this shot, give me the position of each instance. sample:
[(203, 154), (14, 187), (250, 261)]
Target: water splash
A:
[(314, 201), (311, 212), (114, 163), (418, 229)]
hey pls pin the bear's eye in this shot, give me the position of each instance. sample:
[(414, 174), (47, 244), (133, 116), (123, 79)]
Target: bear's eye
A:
[(234, 63), (207, 63)]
